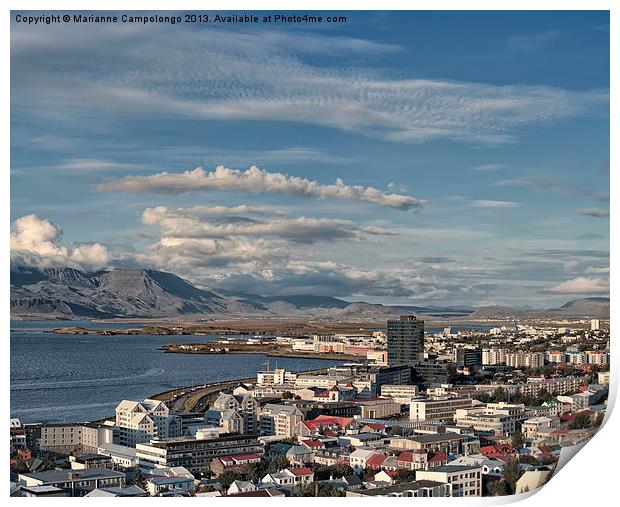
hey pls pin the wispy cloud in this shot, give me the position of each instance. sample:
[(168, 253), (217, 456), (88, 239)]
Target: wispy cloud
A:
[(255, 181), (490, 167), (594, 212), (548, 184), (532, 42), (238, 76), (486, 203)]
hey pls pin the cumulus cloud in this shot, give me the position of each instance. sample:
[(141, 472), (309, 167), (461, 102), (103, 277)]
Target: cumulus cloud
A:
[(34, 241), (255, 181), (582, 285), (188, 224), (594, 212)]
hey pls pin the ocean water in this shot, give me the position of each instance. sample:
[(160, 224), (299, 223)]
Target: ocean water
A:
[(82, 378)]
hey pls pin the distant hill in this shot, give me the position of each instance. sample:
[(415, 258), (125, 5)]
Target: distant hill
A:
[(68, 293), (595, 307)]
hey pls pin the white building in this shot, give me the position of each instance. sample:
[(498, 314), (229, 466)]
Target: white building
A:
[(139, 422)]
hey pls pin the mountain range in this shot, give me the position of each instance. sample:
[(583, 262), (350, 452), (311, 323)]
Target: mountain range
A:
[(68, 293)]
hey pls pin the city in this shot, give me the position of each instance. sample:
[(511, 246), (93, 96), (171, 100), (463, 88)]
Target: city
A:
[(470, 413)]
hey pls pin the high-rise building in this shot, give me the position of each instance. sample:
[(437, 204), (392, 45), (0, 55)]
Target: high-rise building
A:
[(405, 341)]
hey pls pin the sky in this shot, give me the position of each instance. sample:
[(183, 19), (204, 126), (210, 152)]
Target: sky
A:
[(427, 158)]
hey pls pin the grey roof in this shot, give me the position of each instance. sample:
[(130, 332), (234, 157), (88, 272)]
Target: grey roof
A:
[(130, 490), (452, 468), (435, 437), (52, 476), (400, 488)]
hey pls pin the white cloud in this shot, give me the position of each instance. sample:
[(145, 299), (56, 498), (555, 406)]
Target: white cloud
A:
[(238, 75), (255, 181), (582, 285), (531, 42), (486, 203), (186, 224), (597, 271), (594, 212), (34, 241)]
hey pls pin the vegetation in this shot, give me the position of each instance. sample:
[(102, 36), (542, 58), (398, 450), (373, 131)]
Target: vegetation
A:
[(323, 473), (580, 421), (512, 472)]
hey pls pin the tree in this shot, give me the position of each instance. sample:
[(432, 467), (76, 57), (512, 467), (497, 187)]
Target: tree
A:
[(287, 395), (500, 394), (512, 472), (497, 488), (580, 421), (404, 475), (254, 471), (598, 421), (279, 463), (227, 478), (138, 478), (336, 471), (517, 439)]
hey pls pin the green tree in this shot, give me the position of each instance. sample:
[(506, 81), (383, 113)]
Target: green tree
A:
[(138, 478), (228, 477), (500, 394), (517, 439), (287, 395), (598, 421), (497, 488), (404, 475), (254, 471), (279, 463), (580, 421), (512, 472)]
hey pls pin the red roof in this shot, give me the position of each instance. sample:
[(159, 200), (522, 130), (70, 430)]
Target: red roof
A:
[(300, 471), (376, 426), (437, 456), (313, 444), (376, 460)]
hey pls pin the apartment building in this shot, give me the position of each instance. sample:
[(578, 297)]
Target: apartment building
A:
[(464, 480), (141, 421), (280, 420), (437, 409), (399, 393), (75, 483), (500, 418), (195, 453)]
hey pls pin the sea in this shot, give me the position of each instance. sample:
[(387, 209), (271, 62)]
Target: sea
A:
[(57, 377)]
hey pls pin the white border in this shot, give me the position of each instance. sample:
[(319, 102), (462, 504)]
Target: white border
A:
[(590, 478)]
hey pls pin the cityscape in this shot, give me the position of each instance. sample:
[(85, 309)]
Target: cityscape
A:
[(301, 254)]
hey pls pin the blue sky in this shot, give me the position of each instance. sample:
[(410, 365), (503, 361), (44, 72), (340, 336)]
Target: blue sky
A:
[(471, 151)]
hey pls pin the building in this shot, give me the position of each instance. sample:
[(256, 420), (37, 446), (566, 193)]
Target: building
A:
[(464, 480), (75, 482), (379, 408), (437, 409), (231, 463), (430, 373), (448, 443), (521, 359), (169, 486), (494, 356), (121, 455), (405, 341), (531, 428), (227, 419), (399, 393), (245, 404), (500, 418), (193, 453), (140, 422), (421, 488), (467, 358), (595, 325), (280, 420)]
